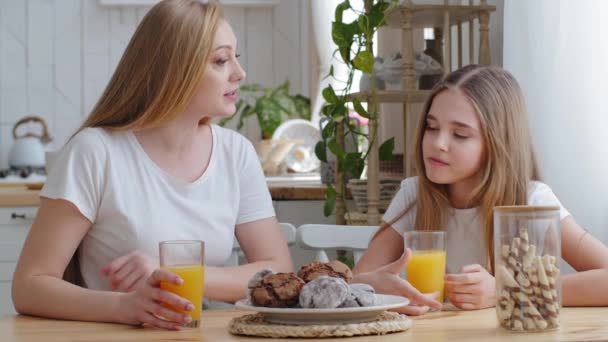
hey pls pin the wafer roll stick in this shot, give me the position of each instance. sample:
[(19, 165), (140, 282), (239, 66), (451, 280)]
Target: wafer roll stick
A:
[(525, 242), (528, 257), (551, 304), (552, 273), (517, 320), (543, 280), (529, 323), (505, 252), (507, 277)]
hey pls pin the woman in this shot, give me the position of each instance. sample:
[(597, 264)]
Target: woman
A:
[(148, 166)]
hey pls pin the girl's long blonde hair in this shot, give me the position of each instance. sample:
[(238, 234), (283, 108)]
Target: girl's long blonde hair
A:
[(161, 67), (509, 161)]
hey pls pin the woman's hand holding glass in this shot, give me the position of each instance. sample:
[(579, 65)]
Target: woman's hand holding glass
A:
[(149, 304)]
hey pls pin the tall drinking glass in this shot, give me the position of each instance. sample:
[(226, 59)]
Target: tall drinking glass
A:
[(426, 269), (186, 258)]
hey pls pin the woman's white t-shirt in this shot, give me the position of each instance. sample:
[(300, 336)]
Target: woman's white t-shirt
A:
[(133, 204), (465, 240)]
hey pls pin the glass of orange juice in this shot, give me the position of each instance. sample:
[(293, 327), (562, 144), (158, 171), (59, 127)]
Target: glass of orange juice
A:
[(426, 268), (186, 258)]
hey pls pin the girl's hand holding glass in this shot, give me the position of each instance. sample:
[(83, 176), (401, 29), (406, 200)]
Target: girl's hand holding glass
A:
[(151, 305), (387, 279), (471, 289)]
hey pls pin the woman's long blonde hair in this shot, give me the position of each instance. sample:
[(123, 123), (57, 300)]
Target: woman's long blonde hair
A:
[(161, 67), (509, 161)]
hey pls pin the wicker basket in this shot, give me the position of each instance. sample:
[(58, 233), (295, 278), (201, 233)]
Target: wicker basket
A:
[(388, 188), (355, 218)]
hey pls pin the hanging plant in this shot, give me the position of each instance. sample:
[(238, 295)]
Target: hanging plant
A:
[(355, 47)]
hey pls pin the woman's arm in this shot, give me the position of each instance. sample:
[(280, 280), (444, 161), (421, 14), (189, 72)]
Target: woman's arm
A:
[(38, 287), (589, 257), (264, 246)]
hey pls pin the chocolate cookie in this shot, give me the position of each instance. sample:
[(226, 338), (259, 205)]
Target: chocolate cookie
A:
[(360, 295), (278, 290), (333, 268), (324, 293)]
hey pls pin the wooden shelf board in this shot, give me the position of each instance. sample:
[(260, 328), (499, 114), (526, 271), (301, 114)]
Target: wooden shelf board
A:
[(432, 15), (245, 3), (394, 96)]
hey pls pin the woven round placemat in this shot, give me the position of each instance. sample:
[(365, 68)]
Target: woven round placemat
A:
[(255, 325)]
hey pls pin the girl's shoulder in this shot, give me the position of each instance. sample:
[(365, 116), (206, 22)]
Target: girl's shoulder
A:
[(410, 185), (540, 193), (538, 188)]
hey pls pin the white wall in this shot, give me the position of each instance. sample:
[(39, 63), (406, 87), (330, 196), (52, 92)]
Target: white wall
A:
[(552, 48), (56, 56)]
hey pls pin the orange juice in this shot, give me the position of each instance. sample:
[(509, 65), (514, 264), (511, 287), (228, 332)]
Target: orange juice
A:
[(426, 270), (191, 289)]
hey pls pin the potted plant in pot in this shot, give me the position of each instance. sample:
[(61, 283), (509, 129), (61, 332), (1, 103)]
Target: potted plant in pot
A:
[(271, 107), (355, 46)]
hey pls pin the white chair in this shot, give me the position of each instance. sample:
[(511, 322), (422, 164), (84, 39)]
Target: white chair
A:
[(323, 237), (289, 232)]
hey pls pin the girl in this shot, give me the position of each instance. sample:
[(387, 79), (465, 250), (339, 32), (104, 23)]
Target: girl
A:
[(474, 152), (148, 166)]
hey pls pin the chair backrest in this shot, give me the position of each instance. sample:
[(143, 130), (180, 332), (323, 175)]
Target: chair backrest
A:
[(289, 232), (323, 237)]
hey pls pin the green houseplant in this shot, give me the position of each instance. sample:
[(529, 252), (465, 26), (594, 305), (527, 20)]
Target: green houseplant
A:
[(271, 106), (355, 46)]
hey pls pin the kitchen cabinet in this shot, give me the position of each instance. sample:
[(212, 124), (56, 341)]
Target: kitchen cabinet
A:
[(15, 223)]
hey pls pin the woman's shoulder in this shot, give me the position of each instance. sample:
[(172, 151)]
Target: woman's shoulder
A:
[(230, 138), (89, 139)]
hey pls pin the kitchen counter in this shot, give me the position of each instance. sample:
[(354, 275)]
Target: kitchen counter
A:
[(17, 195)]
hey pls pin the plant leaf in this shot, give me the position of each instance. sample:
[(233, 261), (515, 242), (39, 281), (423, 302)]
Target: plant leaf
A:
[(354, 164), (330, 200), (329, 94), (386, 149), (328, 130), (377, 16), (321, 151), (364, 61), (359, 109), (335, 148), (363, 23), (340, 10)]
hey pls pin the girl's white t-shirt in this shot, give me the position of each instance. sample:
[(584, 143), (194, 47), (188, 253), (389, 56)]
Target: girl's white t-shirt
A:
[(465, 240), (133, 204)]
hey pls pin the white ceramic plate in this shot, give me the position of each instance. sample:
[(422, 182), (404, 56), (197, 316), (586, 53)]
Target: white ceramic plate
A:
[(302, 156), (295, 316)]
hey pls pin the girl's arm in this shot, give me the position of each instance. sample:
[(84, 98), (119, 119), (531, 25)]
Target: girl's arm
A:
[(589, 257), (385, 247), (381, 265), (264, 246)]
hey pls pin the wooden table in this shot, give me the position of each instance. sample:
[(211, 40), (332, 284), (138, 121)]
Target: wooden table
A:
[(588, 324)]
